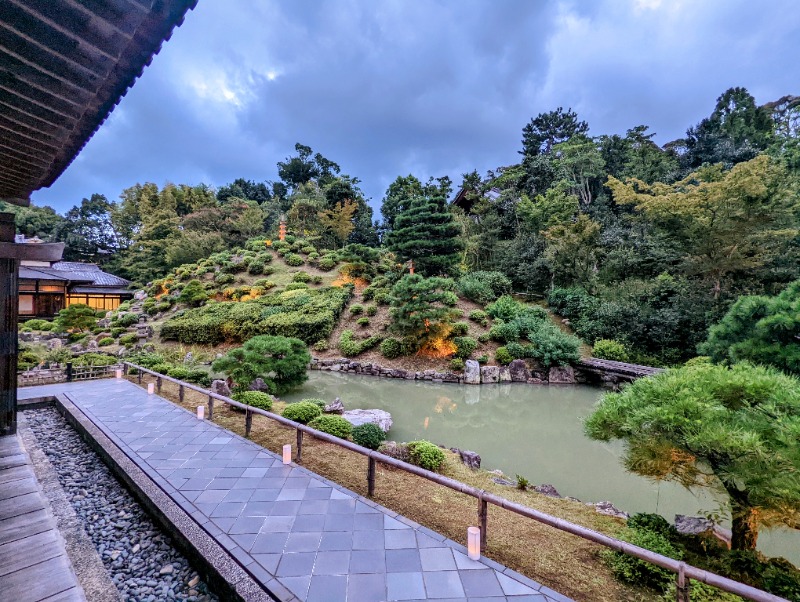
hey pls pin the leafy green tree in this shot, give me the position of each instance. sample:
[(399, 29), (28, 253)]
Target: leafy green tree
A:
[(280, 361), (303, 168), (557, 206), (419, 308), (339, 220), (88, 231), (426, 233), (35, 221), (245, 189), (76, 318), (193, 294), (548, 129), (572, 250), (732, 429), (759, 329), (583, 165), (398, 198)]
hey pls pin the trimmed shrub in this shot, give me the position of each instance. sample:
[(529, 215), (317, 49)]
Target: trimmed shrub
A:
[(364, 321), (333, 425), (356, 309), (125, 320), (638, 572), (105, 341), (199, 377), (222, 278), (484, 287), (321, 345), (449, 298), (302, 412), (505, 308), (320, 403), (327, 263), (179, 372), (115, 332), (502, 356), (465, 346), (457, 364), (301, 277), (372, 310), (479, 316), (256, 267), (368, 435), (391, 348), (257, 399), (350, 347), (609, 349), (294, 260), (296, 286), (484, 338), (426, 455), (94, 359), (459, 329), (505, 332), (484, 359), (128, 339)]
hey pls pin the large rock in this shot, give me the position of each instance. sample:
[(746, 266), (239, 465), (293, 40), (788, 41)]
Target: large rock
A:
[(519, 371), (92, 346), (490, 374), (334, 407), (561, 375), (54, 344), (693, 525), (139, 295), (220, 387), (472, 373), (257, 385), (609, 509), (470, 459), (380, 417), (505, 374), (547, 489)]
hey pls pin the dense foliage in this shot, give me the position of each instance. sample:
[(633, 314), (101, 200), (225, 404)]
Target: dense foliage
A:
[(279, 361), (426, 455), (257, 399), (302, 411), (734, 429), (333, 425), (369, 435)]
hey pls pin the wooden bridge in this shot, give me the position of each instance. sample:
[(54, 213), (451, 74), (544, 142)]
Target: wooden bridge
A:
[(613, 372)]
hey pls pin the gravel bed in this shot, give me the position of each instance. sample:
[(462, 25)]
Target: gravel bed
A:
[(140, 558)]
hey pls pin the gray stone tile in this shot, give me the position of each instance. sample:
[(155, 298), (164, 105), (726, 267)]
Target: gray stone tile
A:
[(308, 523), (313, 507), (336, 541), (437, 559), (338, 522), (443, 584), (399, 538), (403, 561), (302, 542), (481, 583), (368, 522), (368, 540), (332, 563), (291, 494), (268, 561), (285, 508), (465, 563), (405, 586), (252, 508), (265, 495), (273, 524), (269, 543), (393, 523), (366, 587), (248, 524), (228, 509), (341, 506), (512, 587), (211, 497), (297, 585), (317, 493), (238, 495), (367, 561), (296, 565), (325, 588)]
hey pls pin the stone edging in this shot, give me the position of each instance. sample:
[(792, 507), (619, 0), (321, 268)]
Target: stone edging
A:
[(517, 371)]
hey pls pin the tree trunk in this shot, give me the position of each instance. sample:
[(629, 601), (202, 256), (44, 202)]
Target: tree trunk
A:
[(744, 528)]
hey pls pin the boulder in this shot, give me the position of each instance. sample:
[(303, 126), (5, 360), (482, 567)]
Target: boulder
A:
[(490, 374), (505, 374), (54, 344), (220, 387), (561, 375), (104, 323), (472, 372), (334, 407), (519, 371), (468, 458), (76, 348), (92, 346), (257, 385), (693, 525), (547, 489), (504, 482), (609, 509), (188, 358), (140, 295), (393, 449), (358, 417)]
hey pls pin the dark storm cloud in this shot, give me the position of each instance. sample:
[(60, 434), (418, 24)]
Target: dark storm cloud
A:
[(430, 88)]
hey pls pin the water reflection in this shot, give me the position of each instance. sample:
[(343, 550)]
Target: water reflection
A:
[(533, 431)]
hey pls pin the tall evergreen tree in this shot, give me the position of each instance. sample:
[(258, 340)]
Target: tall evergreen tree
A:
[(427, 234)]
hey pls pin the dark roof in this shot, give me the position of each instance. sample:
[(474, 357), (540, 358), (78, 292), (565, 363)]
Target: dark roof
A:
[(466, 203), (101, 290), (75, 273), (64, 66)]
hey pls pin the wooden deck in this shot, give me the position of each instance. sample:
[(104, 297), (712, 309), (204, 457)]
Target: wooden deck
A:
[(34, 565)]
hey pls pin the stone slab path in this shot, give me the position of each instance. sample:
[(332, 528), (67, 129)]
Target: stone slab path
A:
[(34, 565), (301, 535)]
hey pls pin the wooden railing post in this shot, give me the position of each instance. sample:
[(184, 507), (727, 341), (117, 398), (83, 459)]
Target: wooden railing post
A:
[(248, 422), (682, 585), (180, 393), (483, 519), (299, 455), (158, 384), (210, 408), (371, 477), (139, 372), (69, 372)]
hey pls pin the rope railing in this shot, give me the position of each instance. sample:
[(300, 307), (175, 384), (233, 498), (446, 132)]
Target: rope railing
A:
[(683, 572)]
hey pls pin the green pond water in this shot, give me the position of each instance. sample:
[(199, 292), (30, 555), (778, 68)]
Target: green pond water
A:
[(533, 431)]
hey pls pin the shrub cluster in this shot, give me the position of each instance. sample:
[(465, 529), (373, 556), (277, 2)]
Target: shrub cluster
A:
[(350, 347), (391, 348), (465, 346), (484, 287), (302, 411), (257, 399), (333, 425), (608, 349), (369, 435), (426, 455)]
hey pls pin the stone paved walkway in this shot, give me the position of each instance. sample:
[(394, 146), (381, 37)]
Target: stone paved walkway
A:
[(293, 530)]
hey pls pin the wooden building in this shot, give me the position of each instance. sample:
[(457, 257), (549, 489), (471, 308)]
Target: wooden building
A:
[(64, 66)]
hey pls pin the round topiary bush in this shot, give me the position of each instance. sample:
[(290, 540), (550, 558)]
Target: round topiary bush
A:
[(368, 435), (457, 364), (372, 310), (426, 455), (609, 349), (356, 309), (320, 403), (105, 342), (502, 356), (223, 278), (363, 321), (178, 372), (257, 399), (333, 425), (301, 277), (465, 346), (302, 411), (294, 260), (391, 348)]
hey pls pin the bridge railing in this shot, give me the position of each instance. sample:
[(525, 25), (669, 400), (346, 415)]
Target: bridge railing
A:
[(683, 572)]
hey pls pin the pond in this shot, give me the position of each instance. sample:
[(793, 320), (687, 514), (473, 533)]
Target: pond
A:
[(533, 431)]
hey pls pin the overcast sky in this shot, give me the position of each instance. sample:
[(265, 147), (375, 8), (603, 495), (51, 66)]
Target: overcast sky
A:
[(393, 87)]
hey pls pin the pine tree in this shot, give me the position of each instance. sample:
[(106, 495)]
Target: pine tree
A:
[(426, 234)]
